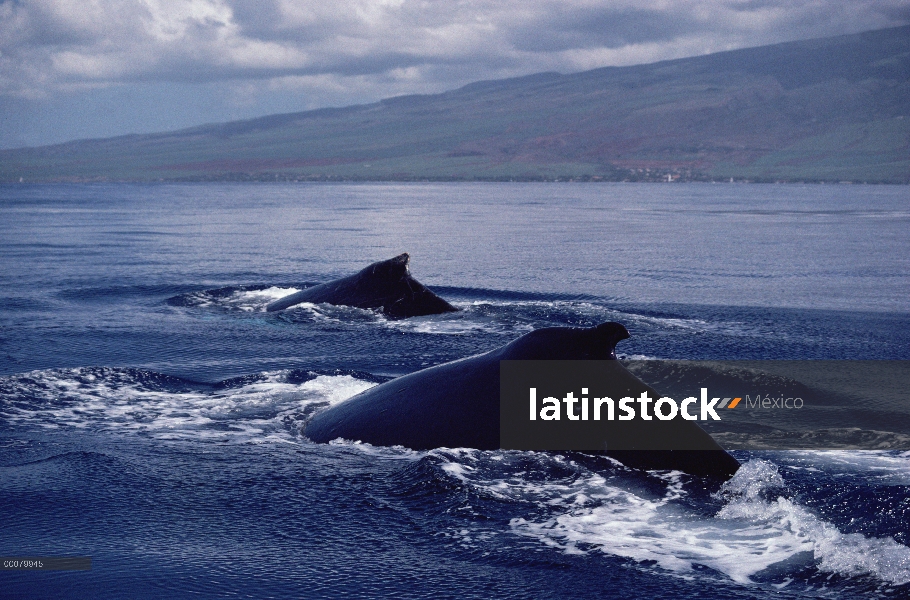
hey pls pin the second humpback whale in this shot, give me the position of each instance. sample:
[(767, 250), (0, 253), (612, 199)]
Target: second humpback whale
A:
[(457, 404), (386, 285)]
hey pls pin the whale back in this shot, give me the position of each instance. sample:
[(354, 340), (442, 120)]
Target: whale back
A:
[(456, 405), (567, 343), (386, 285)]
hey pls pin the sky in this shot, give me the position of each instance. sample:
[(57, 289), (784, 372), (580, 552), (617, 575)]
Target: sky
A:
[(75, 69)]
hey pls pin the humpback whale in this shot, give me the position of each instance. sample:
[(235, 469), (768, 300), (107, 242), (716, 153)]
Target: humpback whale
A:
[(457, 404), (386, 285)]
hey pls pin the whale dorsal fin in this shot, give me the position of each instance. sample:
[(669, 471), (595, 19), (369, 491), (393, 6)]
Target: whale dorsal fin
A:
[(394, 269), (610, 334)]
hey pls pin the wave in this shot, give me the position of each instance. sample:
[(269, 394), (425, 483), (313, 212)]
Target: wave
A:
[(480, 310), (753, 532), (270, 405), (658, 330), (248, 298), (757, 536), (756, 531)]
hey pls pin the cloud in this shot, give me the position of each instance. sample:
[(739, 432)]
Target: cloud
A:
[(349, 51), (50, 45)]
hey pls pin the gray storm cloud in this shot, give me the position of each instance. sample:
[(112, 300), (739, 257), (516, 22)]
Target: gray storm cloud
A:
[(90, 68), (53, 45)]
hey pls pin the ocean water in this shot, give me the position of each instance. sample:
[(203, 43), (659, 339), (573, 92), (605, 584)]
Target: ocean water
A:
[(150, 409)]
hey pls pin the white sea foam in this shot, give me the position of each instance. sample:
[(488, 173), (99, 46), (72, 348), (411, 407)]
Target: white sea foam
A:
[(381, 452), (467, 320), (244, 300), (267, 295), (440, 327), (511, 317), (795, 526), (113, 401), (491, 316), (751, 532), (885, 466), (496, 314)]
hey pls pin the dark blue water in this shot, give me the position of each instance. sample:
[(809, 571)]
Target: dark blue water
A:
[(150, 408)]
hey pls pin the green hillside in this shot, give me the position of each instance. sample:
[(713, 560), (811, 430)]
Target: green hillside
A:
[(820, 110)]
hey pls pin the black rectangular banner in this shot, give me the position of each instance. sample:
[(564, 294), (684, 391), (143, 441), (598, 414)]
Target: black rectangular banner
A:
[(748, 405)]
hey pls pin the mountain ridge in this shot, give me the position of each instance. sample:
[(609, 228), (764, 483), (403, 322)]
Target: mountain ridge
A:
[(828, 109)]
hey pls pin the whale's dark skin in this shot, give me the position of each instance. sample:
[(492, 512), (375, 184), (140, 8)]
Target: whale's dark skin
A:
[(385, 285), (456, 405)]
